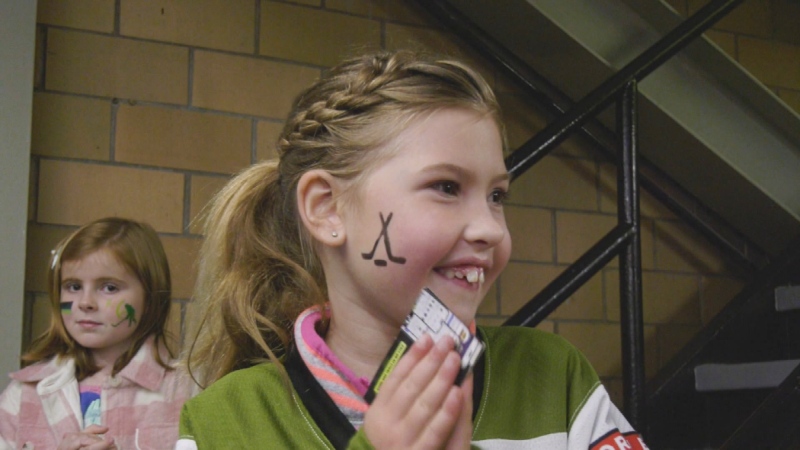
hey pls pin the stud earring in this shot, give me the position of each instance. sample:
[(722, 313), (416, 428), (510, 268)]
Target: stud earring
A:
[(334, 234)]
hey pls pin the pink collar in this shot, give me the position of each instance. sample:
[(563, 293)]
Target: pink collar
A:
[(305, 330)]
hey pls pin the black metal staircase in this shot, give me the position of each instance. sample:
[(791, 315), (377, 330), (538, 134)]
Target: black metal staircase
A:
[(749, 329), (774, 424), (671, 412)]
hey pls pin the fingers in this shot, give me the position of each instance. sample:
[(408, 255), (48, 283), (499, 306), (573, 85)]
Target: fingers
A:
[(414, 372), (426, 385), (442, 423), (106, 444), (74, 441), (429, 389), (462, 433), (89, 438), (418, 406), (95, 429), (417, 351)]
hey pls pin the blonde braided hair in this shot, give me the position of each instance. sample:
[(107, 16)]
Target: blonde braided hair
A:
[(258, 270)]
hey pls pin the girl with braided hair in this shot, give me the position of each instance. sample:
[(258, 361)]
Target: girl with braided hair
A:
[(390, 179)]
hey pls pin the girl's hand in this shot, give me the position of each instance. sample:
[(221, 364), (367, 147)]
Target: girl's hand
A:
[(418, 406), (462, 434), (89, 439)]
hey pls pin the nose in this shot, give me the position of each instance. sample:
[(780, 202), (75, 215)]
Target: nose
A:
[(87, 302), (486, 227)]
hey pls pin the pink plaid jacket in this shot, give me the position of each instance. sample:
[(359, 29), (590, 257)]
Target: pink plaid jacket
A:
[(141, 405)]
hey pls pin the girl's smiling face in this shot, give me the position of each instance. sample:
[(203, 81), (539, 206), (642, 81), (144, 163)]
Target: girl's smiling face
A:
[(430, 215), (101, 304)]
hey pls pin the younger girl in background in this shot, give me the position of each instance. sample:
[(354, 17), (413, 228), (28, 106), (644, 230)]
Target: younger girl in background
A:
[(101, 375), (391, 179)]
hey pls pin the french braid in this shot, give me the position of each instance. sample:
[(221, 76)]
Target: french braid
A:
[(257, 265)]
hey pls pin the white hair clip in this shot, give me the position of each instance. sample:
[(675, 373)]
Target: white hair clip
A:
[(56, 252)]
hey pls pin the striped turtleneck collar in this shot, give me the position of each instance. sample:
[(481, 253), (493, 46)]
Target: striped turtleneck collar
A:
[(342, 385)]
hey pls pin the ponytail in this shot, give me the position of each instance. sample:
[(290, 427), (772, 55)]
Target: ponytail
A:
[(254, 276)]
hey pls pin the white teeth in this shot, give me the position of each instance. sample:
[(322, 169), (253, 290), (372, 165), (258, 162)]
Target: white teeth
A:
[(472, 276), (475, 275)]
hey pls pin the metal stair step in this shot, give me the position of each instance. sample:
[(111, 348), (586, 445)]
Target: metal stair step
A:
[(787, 298), (755, 375)]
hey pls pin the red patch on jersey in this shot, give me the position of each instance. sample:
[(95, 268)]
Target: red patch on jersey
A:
[(618, 441)]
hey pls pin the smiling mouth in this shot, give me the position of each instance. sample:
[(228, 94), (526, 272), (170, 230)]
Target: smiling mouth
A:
[(471, 275)]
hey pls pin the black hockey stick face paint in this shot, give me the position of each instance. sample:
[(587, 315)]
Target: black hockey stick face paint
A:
[(385, 235)]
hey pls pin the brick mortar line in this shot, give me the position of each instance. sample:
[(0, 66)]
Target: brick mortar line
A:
[(117, 17), (257, 28), (155, 104), (654, 271), (112, 134), (34, 186), (223, 51), (253, 141), (187, 203), (190, 78), (135, 166)]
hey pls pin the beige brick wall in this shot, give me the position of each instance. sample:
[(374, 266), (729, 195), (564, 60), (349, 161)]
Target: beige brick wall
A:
[(147, 110), (764, 37)]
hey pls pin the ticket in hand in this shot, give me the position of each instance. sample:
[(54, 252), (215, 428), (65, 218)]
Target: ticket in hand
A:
[(429, 316)]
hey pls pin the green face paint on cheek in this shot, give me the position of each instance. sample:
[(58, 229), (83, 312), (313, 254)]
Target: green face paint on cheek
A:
[(129, 315), (66, 307), (120, 310)]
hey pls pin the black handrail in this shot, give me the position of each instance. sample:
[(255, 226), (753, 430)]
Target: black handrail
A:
[(602, 96), (774, 423), (725, 338), (630, 261), (623, 240), (553, 101), (572, 278)]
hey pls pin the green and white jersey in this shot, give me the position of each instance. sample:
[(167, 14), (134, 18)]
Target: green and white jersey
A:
[(538, 392)]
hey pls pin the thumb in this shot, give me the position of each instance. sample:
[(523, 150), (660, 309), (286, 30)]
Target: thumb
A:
[(95, 429)]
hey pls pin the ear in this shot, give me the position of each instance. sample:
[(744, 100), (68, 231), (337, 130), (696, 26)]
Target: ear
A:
[(317, 193)]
